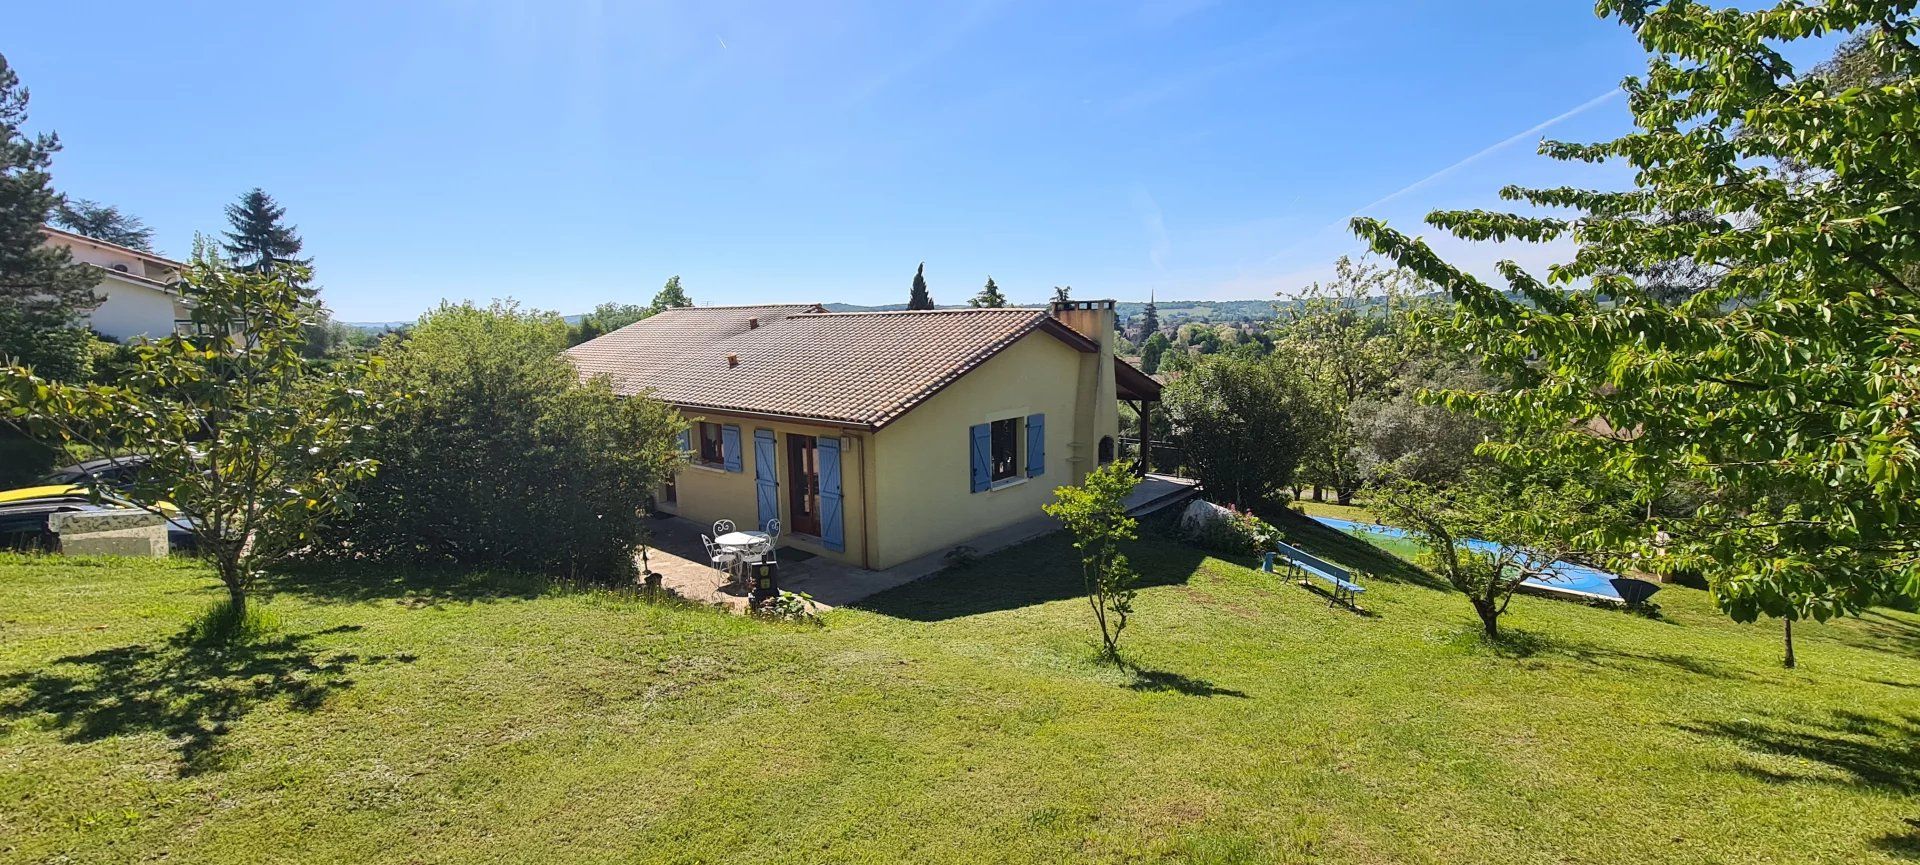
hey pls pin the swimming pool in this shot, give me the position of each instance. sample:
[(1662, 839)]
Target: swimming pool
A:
[(1567, 577)]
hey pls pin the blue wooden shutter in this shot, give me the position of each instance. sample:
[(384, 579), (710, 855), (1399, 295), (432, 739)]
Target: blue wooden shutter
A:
[(730, 447), (766, 487), (982, 437), (833, 529), (1036, 445), (686, 442)]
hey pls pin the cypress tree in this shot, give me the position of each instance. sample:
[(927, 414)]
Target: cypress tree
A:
[(920, 299), (1150, 320)]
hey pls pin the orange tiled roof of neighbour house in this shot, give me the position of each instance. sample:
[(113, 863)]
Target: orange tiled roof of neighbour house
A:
[(799, 361)]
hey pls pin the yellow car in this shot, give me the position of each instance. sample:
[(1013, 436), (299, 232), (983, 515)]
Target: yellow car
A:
[(70, 491)]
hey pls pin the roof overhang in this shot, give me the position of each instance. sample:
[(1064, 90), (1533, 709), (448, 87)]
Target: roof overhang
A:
[(141, 254), (1131, 383)]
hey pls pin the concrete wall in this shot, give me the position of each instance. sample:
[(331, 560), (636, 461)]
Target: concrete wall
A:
[(707, 494), (923, 476), (129, 310)]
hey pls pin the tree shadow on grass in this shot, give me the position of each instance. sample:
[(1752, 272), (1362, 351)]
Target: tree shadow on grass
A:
[(1859, 749), (191, 691), (1356, 553), (1039, 571), (1163, 680), (1903, 844), (1874, 630), (416, 585)]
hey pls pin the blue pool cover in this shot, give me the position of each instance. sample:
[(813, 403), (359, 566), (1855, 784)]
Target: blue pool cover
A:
[(1566, 575)]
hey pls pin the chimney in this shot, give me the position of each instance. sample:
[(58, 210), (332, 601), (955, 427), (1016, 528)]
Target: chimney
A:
[(753, 323), (1096, 413), (1092, 318), (733, 360)]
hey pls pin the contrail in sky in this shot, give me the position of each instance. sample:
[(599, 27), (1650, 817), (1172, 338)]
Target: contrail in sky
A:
[(1536, 129)]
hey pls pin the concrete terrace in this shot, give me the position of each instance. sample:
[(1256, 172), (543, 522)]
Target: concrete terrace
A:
[(678, 556)]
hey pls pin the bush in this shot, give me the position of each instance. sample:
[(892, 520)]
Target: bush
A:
[(1239, 533), (1242, 424), (494, 452)]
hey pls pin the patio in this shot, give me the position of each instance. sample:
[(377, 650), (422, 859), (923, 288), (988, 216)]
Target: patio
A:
[(678, 556)]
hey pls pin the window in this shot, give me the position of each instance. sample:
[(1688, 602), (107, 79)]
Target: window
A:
[(712, 452), (1006, 449)]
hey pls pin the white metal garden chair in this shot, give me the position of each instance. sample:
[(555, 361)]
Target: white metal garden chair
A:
[(727, 561)]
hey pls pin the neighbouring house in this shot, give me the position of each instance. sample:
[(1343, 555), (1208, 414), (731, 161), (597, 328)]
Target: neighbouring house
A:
[(877, 437), (136, 290)]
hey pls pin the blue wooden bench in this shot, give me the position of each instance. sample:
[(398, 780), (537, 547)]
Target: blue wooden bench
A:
[(1345, 590)]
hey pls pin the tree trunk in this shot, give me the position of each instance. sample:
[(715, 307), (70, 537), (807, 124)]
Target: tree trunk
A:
[(1345, 495), (1316, 494), (1789, 662), (1489, 618)]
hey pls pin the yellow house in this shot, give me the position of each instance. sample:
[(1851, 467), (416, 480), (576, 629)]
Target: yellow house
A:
[(877, 437)]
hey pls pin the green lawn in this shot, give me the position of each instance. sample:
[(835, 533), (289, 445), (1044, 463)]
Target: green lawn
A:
[(1355, 512), (963, 718)]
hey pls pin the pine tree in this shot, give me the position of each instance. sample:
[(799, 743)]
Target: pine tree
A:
[(260, 241), (671, 295), (989, 297), (104, 222), (920, 299), (1150, 320), (43, 293)]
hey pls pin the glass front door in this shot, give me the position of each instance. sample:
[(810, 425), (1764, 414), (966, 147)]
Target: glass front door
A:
[(803, 485)]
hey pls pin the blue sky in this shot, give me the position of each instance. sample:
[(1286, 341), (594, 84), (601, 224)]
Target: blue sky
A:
[(572, 153)]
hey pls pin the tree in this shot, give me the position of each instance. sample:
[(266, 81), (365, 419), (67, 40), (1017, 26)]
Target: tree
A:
[(1397, 435), (1242, 424), (44, 295), (1526, 526), (1784, 391), (609, 317), (1095, 514), (920, 299), (249, 441), (494, 452), (671, 296), (104, 222), (1347, 335), (989, 297), (1152, 351), (258, 239), (1062, 294), (1149, 319)]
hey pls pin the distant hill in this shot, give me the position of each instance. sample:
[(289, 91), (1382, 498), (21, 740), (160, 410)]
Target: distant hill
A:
[(1171, 312)]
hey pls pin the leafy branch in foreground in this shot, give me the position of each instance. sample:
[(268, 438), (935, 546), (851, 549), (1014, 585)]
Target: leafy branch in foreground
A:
[(1783, 392), (1095, 513), (247, 440)]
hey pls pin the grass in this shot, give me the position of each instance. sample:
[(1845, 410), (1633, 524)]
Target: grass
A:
[(1357, 512), (386, 717)]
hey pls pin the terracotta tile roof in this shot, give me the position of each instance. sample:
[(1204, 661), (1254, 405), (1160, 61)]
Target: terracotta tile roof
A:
[(859, 368)]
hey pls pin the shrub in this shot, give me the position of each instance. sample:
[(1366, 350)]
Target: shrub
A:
[(1238, 533), (494, 452), (788, 606), (1095, 513)]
